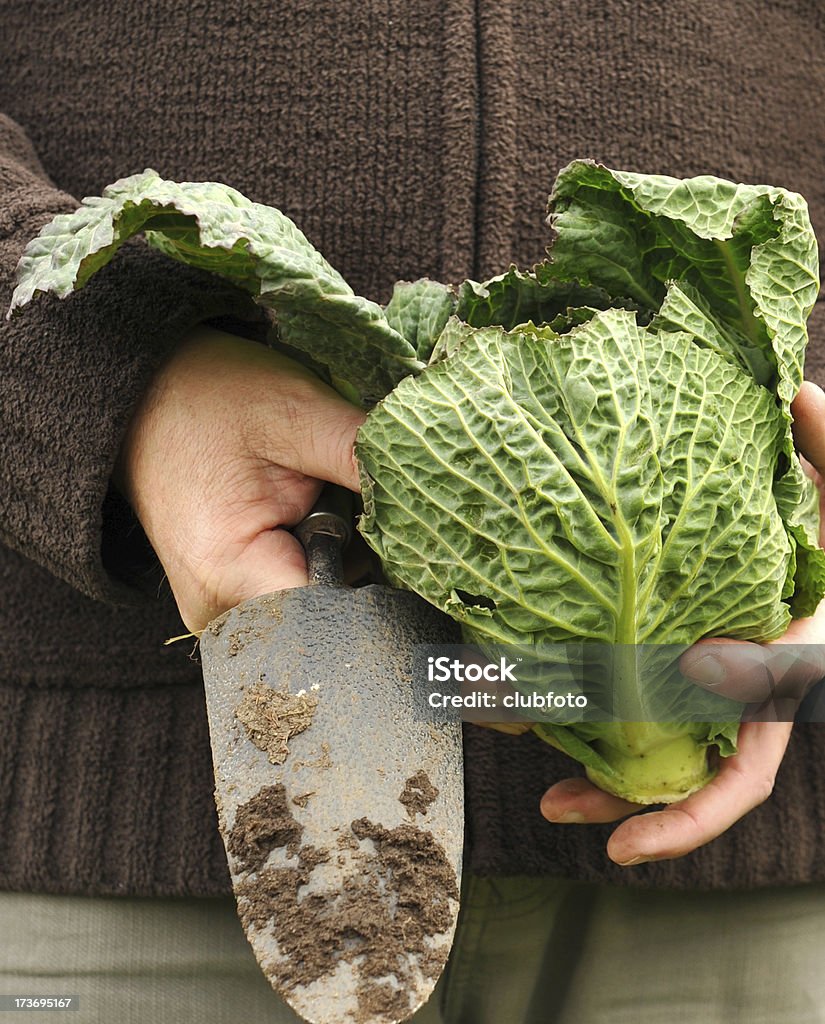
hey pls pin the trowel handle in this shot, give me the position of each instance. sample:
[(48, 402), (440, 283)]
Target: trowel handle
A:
[(325, 533)]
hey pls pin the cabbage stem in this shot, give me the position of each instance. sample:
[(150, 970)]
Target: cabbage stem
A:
[(650, 763)]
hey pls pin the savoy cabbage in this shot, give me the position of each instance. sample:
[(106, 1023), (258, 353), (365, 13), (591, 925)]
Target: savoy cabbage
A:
[(597, 449)]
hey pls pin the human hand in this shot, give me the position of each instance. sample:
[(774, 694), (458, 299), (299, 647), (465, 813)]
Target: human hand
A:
[(750, 673), (230, 445)]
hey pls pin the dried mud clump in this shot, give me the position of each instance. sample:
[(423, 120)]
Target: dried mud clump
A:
[(263, 824), (272, 717), (395, 897), (418, 794)]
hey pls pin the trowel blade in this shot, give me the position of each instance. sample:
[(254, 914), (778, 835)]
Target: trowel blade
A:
[(344, 840)]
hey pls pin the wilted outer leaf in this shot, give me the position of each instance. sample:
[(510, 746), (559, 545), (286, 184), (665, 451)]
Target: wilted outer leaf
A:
[(749, 250), (214, 227)]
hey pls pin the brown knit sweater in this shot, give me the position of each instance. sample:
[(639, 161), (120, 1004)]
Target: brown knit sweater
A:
[(405, 138)]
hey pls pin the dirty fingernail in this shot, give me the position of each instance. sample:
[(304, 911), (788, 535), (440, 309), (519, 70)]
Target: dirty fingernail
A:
[(708, 670)]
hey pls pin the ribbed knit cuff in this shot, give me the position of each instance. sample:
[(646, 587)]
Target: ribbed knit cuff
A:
[(108, 792)]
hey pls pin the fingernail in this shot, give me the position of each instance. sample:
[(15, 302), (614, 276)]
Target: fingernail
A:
[(632, 861), (708, 670), (572, 818), (566, 818)]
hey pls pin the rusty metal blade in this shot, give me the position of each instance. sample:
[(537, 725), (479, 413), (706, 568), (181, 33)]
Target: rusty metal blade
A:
[(340, 796)]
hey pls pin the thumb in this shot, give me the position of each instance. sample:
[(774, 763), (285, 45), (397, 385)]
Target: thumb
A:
[(274, 560), (808, 410), (331, 455), (313, 432), (756, 673)]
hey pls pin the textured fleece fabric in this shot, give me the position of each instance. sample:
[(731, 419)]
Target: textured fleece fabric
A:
[(406, 139)]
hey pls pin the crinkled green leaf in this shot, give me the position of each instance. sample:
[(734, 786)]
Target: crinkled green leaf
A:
[(538, 295), (624, 470), (748, 250), (684, 309), (418, 310), (734, 265), (614, 483), (212, 226)]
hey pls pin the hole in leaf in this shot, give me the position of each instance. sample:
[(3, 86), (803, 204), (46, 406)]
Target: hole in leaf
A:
[(479, 600)]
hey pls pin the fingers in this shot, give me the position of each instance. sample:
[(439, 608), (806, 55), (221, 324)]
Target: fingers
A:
[(808, 409), (781, 670), (744, 781), (579, 801)]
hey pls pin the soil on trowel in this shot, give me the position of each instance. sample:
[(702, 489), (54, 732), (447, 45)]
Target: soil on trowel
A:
[(263, 824), (272, 717), (418, 794), (394, 898)]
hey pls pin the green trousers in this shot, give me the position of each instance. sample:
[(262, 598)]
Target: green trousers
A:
[(528, 951)]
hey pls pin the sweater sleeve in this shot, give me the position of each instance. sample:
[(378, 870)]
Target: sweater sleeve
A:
[(72, 371)]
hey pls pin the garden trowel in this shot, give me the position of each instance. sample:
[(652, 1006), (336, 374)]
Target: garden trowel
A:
[(339, 791)]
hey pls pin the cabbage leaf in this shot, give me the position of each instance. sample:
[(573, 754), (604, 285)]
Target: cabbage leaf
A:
[(215, 227)]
